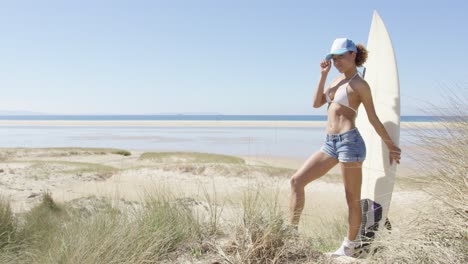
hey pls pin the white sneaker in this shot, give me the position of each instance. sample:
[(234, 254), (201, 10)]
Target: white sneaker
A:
[(348, 248)]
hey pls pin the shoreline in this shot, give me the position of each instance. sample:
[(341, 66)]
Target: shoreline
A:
[(188, 123)]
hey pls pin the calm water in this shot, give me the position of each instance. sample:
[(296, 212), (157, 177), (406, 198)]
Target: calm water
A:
[(292, 142), (198, 117), (295, 142)]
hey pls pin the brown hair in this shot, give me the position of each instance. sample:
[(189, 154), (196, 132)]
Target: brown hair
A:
[(361, 55)]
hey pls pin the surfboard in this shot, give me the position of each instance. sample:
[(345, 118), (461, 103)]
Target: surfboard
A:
[(378, 176)]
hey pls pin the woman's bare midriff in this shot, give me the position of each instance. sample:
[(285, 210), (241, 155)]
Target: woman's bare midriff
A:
[(340, 119)]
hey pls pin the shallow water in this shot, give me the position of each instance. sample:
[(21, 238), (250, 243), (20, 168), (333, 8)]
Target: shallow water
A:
[(293, 142)]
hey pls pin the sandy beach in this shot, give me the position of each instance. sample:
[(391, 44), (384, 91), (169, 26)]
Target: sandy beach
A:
[(71, 173), (75, 173), (84, 177)]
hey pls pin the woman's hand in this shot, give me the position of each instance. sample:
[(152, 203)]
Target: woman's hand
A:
[(395, 154), (325, 66)]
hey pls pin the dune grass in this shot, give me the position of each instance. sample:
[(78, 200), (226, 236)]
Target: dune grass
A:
[(8, 223), (12, 153), (88, 151), (104, 171), (53, 233), (114, 236), (160, 230), (448, 148), (42, 168), (191, 157), (210, 164), (262, 234), (164, 230), (122, 152), (325, 234), (438, 233)]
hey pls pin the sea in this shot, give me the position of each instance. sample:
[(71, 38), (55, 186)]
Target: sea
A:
[(196, 117), (292, 142)]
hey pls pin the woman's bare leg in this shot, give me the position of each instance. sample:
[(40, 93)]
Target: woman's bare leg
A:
[(316, 166), (352, 178)]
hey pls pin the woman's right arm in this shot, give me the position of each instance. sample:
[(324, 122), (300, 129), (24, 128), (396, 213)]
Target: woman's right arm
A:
[(319, 97)]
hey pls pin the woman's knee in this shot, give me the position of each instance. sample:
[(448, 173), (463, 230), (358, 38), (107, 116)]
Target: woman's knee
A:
[(296, 182)]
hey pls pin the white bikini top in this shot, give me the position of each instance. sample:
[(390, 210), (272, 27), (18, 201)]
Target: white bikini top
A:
[(341, 95)]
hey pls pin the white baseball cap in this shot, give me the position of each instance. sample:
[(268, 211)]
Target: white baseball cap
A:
[(341, 46)]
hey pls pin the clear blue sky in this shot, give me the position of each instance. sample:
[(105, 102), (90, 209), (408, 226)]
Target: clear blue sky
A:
[(230, 57)]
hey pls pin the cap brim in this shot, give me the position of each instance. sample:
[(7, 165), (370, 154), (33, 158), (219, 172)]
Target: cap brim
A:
[(336, 52)]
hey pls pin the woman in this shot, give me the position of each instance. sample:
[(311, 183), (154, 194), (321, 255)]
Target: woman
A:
[(343, 143)]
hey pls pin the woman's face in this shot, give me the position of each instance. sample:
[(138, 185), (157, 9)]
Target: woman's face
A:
[(344, 62)]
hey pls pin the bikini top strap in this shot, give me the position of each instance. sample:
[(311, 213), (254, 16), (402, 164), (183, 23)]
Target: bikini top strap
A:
[(357, 73)]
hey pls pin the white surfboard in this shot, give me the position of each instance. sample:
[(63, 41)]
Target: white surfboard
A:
[(378, 175)]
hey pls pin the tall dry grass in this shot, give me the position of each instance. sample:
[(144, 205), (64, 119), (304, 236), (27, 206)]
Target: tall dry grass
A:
[(8, 223), (438, 233), (261, 234), (160, 230), (449, 147), (52, 233)]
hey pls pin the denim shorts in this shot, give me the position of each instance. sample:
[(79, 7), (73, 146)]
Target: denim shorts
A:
[(345, 147)]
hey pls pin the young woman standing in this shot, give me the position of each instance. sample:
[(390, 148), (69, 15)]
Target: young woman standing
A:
[(343, 143)]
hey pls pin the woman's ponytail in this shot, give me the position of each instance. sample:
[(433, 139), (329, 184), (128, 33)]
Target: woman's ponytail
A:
[(361, 55)]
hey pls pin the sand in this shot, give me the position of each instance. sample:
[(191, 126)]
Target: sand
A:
[(70, 174)]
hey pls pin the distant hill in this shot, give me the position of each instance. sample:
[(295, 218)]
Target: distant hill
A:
[(188, 113), (30, 113)]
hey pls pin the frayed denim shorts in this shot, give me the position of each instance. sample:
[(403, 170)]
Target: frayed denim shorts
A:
[(345, 147)]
